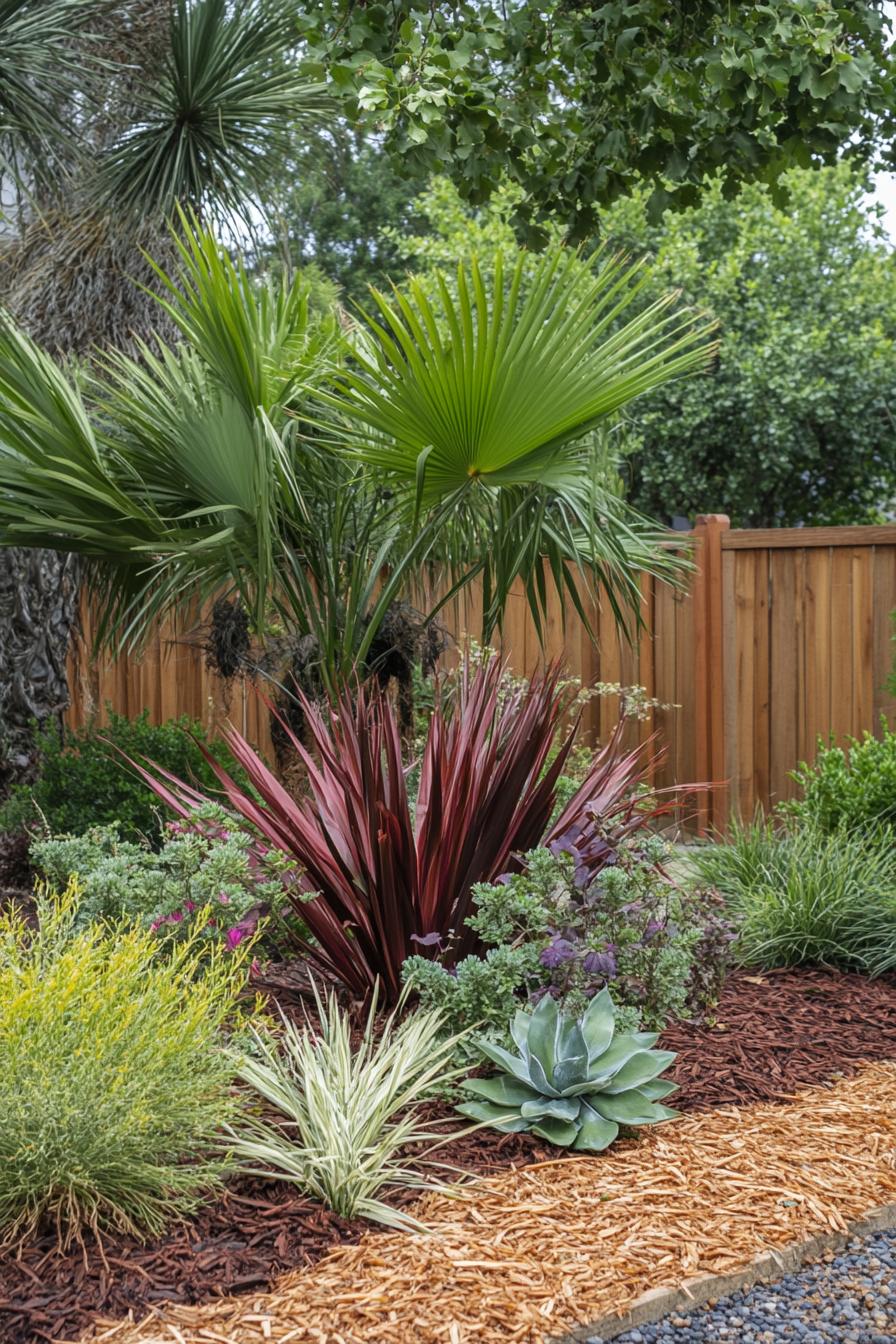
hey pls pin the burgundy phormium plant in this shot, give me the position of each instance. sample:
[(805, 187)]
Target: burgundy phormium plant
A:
[(389, 883)]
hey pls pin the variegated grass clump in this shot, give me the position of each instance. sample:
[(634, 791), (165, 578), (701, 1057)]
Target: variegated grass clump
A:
[(114, 1077), (347, 1113)]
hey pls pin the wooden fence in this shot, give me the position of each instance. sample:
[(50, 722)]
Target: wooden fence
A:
[(782, 636)]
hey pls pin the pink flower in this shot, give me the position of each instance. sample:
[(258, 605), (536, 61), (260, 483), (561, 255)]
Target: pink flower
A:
[(223, 898), (175, 917), (235, 936), (155, 924), (189, 906)]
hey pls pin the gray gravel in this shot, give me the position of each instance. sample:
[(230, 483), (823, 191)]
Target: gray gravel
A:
[(846, 1299)]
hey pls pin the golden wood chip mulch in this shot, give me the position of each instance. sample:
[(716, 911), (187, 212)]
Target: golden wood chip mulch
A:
[(537, 1251)]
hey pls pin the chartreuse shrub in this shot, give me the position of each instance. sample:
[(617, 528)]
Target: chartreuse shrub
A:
[(346, 1113), (114, 1076), (853, 788), (555, 928), (805, 895), (84, 780), (214, 881), (573, 1082)]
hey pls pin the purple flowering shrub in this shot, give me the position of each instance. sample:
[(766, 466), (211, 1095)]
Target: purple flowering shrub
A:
[(554, 928), (214, 879)]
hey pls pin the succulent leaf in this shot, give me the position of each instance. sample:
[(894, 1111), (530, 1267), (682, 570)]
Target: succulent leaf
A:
[(571, 1043), (538, 1075), (655, 1089), (558, 1107), (583, 1088), (643, 1066), (544, 1030), (598, 1024), (501, 1091), (518, 1068), (619, 1052), (628, 1108), (646, 1039), (561, 1132), (499, 1117), (519, 1030), (595, 1133)]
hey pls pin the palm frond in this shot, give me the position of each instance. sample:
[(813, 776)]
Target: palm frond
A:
[(56, 486), (259, 339)]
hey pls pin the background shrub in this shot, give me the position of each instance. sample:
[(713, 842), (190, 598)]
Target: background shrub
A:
[(211, 883), (855, 788), (807, 896), (84, 782), (112, 1072)]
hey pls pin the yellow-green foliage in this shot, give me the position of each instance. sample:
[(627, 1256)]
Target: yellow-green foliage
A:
[(113, 1070)]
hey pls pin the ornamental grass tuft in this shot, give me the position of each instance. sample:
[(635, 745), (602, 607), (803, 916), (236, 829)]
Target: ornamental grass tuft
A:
[(115, 1080), (805, 896), (347, 1111)]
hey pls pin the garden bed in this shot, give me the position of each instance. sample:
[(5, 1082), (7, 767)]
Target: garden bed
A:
[(775, 1032)]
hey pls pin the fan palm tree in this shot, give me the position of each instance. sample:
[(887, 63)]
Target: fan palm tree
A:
[(312, 472), (112, 113)]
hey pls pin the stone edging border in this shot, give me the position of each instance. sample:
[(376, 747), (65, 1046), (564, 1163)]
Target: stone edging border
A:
[(766, 1267)]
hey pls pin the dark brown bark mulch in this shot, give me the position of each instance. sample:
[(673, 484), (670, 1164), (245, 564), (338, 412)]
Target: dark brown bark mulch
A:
[(774, 1032), (16, 872), (257, 1231)]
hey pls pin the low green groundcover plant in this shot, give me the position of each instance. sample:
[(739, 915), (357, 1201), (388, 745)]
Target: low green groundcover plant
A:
[(84, 780), (805, 895), (853, 788), (347, 1112), (114, 1078), (551, 928), (573, 1082), (213, 881)]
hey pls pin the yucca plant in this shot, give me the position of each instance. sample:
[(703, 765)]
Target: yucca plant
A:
[(380, 883), (112, 114), (573, 1082), (218, 116), (38, 74), (347, 1111)]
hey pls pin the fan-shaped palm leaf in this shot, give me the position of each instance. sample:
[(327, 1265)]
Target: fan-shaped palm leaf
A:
[(488, 393), (496, 381)]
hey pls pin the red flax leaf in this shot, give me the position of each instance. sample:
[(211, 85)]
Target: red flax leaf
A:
[(385, 879)]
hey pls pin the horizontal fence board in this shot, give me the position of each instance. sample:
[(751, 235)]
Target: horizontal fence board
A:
[(801, 538), (778, 639)]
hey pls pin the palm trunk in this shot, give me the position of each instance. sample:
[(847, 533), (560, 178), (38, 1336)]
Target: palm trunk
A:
[(38, 610)]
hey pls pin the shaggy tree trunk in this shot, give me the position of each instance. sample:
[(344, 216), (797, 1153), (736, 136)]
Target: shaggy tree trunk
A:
[(38, 609)]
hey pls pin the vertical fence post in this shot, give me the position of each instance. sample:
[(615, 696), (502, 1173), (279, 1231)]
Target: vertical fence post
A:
[(709, 668)]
